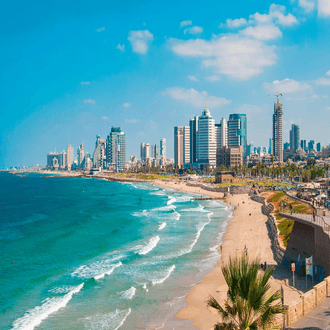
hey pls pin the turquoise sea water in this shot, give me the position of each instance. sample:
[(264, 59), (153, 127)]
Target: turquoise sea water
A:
[(92, 254)]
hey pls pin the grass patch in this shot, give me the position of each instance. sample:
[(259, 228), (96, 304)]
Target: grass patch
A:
[(285, 228), (278, 217), (275, 198)]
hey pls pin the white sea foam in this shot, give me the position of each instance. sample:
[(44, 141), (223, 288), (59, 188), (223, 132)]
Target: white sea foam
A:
[(61, 289), (108, 272), (35, 316), (162, 226), (171, 200), (150, 246), (165, 208), (110, 321), (97, 269), (177, 215), (199, 208), (128, 294), (167, 274)]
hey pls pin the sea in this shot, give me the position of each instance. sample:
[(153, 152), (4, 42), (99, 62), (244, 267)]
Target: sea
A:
[(84, 253)]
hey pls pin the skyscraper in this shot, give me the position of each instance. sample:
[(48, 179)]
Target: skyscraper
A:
[(294, 137), (278, 130), (237, 132), (206, 139), (163, 148), (178, 146), (186, 144), (221, 133), (80, 154), (193, 124), (70, 156), (116, 149), (100, 153)]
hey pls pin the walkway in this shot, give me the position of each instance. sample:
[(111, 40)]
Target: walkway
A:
[(317, 319)]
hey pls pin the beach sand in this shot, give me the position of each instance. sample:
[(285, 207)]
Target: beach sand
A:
[(246, 228)]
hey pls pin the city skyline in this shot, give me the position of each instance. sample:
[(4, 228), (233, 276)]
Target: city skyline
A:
[(68, 78)]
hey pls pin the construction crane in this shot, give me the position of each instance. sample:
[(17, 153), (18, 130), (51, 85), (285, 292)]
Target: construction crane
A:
[(277, 95)]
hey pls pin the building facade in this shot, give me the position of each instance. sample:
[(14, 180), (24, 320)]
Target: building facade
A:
[(206, 140), (193, 124), (116, 149), (294, 137), (278, 131), (163, 148), (237, 132), (99, 155), (230, 157), (178, 146)]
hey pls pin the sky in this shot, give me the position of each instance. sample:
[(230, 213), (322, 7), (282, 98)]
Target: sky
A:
[(72, 69)]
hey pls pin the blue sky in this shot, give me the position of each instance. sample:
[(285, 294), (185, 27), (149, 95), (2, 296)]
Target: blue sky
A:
[(72, 69)]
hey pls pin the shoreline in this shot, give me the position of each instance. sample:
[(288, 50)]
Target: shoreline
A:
[(247, 227)]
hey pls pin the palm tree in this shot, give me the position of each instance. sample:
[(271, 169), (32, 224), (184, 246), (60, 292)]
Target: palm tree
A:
[(249, 305)]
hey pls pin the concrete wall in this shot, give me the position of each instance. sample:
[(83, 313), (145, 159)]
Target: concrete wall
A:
[(234, 190), (307, 302)]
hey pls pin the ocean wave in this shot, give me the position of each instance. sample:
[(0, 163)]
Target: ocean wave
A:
[(61, 289), (165, 208), (150, 246), (167, 274), (110, 321), (177, 215), (96, 270), (162, 226), (128, 294), (199, 208), (34, 317), (171, 200)]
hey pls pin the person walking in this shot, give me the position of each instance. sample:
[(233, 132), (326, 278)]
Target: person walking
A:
[(291, 209)]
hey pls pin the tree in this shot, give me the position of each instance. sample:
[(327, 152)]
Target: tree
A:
[(249, 305)]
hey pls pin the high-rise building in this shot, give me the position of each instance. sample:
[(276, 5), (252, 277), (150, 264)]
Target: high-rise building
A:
[(286, 146), (100, 153), (221, 133), (178, 146), (249, 149), (80, 154), (294, 137), (311, 145), (206, 139), (153, 151), (163, 148), (116, 149), (303, 145), (270, 149), (69, 157), (186, 144), (319, 146), (57, 160), (145, 151), (193, 124), (237, 132), (278, 130)]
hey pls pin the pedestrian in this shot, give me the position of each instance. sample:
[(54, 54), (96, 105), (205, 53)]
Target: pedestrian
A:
[(291, 209), (313, 215)]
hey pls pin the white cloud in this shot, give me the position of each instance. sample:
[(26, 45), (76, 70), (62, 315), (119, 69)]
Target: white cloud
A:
[(105, 118), (195, 98), (185, 23), (213, 78), (323, 81), (85, 82), (307, 5), (324, 7), (276, 14), (121, 47), (193, 30), (192, 78), (127, 105), (262, 32), (286, 86), (235, 23), (315, 96), (140, 40), (132, 121), (89, 101), (141, 133), (231, 55), (328, 108), (328, 73), (100, 29)]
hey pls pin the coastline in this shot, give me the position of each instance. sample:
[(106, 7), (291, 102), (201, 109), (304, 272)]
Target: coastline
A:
[(247, 227)]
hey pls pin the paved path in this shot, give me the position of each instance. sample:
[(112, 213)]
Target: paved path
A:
[(317, 319)]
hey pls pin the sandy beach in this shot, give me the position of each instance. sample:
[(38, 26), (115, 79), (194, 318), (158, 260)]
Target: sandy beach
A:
[(246, 228)]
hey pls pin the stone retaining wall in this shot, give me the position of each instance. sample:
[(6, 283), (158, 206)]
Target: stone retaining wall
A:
[(234, 190)]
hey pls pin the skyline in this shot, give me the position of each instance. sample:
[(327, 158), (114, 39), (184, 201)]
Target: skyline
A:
[(72, 72)]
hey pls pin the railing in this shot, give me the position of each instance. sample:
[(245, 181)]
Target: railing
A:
[(313, 218)]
